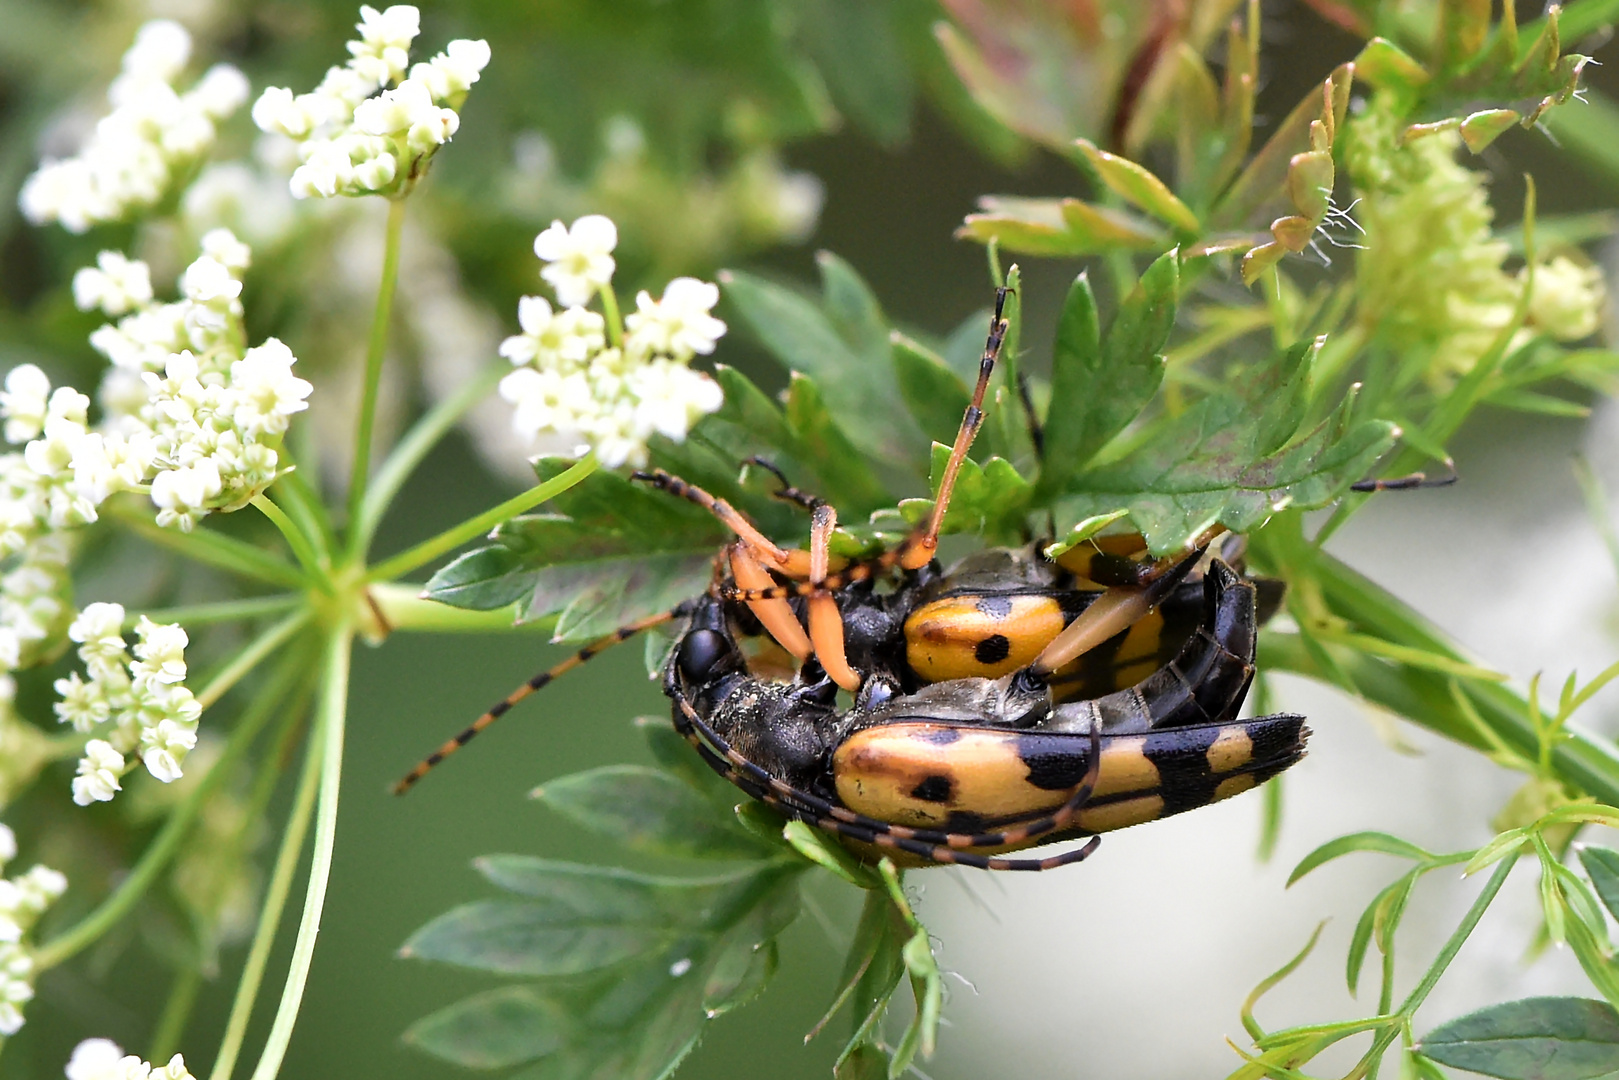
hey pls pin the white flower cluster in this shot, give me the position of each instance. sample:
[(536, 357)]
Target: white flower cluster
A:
[(103, 1059), (353, 143), (568, 382), (153, 135), (134, 707), (22, 900), (186, 409)]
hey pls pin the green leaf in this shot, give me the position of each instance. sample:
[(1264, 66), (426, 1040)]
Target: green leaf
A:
[(483, 579), (636, 1019), (1387, 66), (858, 53), (1081, 532), (648, 810), (818, 455), (1058, 227), (1602, 864), (935, 395), (841, 344), (823, 849), (493, 1030), (821, 440), (988, 499), (873, 969), (1547, 1038), (1203, 467), (1138, 186), (1382, 843), (577, 918), (1100, 385)]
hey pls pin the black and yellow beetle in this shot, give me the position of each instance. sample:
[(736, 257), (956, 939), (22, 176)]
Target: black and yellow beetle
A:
[(962, 769)]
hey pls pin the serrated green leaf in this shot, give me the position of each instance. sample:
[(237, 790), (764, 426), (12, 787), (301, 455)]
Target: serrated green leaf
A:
[(1203, 468), (638, 1018), (1058, 227), (648, 810), (1382, 843), (518, 937), (988, 499), (853, 371), (482, 579), (927, 987), (1101, 384), (493, 1030), (935, 395), (1138, 186), (596, 598), (1549, 1038), (822, 441)]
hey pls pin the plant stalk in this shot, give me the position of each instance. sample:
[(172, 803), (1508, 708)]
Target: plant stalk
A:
[(333, 705), (472, 528), (376, 348)]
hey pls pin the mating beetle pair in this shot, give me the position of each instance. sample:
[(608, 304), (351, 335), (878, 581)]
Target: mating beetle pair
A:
[(1011, 702)]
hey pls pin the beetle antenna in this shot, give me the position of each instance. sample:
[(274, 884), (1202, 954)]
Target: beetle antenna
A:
[(595, 648)]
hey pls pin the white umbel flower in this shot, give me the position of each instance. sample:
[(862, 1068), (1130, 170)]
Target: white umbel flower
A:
[(99, 772), (16, 986), (153, 136), (353, 141), (115, 284), (679, 325), (579, 257), (23, 403), (568, 384)]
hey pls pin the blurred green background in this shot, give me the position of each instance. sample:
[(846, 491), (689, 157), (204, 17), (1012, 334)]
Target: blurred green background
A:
[(1132, 965)]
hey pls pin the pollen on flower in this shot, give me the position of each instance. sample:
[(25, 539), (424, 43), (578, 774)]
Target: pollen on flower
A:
[(153, 136), (370, 128)]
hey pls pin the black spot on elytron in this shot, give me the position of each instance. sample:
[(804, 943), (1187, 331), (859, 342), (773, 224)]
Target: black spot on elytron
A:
[(933, 789), (943, 736), (993, 649), (996, 607)]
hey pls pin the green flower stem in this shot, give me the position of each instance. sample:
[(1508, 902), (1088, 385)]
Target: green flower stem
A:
[(275, 902), (375, 350), (301, 547), (615, 321), (450, 539), (251, 656), (222, 611), (333, 703), (405, 609), (168, 840), (213, 549), (207, 546), (176, 1012), (304, 505), (410, 451)]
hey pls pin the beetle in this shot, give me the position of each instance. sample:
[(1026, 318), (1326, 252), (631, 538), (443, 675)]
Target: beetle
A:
[(963, 768)]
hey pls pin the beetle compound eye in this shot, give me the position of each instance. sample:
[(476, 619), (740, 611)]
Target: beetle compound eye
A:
[(701, 651)]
